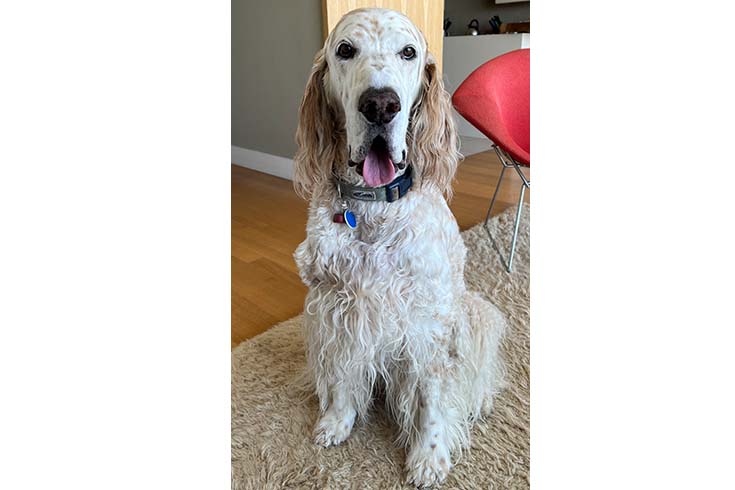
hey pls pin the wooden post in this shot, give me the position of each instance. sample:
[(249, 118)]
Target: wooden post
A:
[(428, 15)]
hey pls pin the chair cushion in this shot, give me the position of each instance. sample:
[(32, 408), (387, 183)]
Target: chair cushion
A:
[(495, 98)]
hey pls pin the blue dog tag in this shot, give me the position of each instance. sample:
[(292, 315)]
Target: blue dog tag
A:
[(350, 219)]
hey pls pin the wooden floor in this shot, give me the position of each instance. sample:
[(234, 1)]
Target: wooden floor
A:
[(269, 220)]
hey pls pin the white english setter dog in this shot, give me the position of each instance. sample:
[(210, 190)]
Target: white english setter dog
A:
[(387, 308)]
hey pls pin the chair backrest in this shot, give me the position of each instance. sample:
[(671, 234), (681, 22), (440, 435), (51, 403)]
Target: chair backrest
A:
[(496, 99)]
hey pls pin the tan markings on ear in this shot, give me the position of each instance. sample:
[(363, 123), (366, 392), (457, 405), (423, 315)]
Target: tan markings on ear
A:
[(433, 145)]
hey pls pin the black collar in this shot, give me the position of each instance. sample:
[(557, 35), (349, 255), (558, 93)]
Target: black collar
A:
[(389, 193)]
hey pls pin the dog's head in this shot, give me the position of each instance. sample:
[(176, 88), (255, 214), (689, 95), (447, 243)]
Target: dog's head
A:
[(374, 103)]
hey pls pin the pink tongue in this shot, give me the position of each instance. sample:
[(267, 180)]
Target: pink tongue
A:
[(378, 168)]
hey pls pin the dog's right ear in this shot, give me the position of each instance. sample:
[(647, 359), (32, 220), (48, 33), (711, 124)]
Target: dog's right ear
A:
[(315, 135)]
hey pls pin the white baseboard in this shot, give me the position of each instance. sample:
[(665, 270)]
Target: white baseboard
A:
[(263, 162)]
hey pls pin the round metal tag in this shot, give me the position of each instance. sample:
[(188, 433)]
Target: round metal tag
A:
[(350, 219)]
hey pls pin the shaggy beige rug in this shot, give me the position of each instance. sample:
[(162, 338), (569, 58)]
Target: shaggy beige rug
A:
[(271, 430)]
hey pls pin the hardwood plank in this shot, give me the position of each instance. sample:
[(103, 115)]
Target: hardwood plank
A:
[(264, 293)]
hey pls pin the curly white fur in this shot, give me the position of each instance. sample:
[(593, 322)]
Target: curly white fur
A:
[(387, 308)]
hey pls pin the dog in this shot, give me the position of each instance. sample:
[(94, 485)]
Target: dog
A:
[(387, 308)]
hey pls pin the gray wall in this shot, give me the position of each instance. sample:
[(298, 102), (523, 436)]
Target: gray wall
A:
[(273, 46), (461, 12)]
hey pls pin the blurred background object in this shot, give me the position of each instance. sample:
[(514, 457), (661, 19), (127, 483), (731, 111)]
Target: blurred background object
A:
[(489, 12), (473, 28)]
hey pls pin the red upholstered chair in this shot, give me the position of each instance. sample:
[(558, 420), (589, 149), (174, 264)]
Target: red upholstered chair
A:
[(495, 98)]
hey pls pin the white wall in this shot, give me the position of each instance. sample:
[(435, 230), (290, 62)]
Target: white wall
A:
[(273, 46)]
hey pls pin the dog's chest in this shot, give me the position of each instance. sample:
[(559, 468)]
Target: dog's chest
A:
[(399, 261), (386, 283), (389, 266)]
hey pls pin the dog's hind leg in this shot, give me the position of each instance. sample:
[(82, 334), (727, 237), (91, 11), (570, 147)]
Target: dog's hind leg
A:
[(487, 326)]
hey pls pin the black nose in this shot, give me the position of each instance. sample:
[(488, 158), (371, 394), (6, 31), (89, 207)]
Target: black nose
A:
[(379, 105)]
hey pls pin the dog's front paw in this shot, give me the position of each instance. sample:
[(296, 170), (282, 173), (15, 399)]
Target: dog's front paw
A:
[(332, 429), (428, 465)]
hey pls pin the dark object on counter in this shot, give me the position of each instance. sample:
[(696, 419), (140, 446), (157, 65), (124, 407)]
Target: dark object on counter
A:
[(473, 28), (495, 24), (447, 23), (515, 27)]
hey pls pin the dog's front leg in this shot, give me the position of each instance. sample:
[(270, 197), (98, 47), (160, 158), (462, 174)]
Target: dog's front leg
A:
[(340, 378), (429, 461), (336, 423)]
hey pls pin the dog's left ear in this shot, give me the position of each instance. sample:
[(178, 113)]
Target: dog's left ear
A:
[(432, 133)]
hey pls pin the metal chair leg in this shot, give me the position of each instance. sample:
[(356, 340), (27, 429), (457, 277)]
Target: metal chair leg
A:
[(507, 161), (497, 188), (515, 229)]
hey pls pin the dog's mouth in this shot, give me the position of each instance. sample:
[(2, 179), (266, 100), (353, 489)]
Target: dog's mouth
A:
[(378, 167)]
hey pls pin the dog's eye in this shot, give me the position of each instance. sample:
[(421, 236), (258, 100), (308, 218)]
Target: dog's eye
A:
[(408, 53), (345, 51)]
